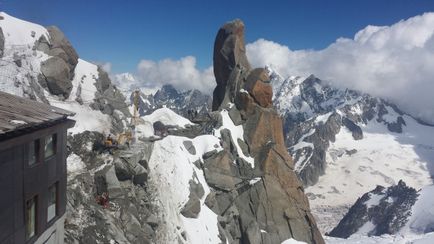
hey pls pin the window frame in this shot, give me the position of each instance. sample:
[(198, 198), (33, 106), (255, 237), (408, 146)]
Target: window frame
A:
[(56, 199), (36, 144), (29, 238), (54, 142)]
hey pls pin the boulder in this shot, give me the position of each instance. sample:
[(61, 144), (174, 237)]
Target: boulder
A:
[(235, 116), (220, 171), (103, 82), (245, 104), (106, 181), (122, 171), (227, 142), (262, 128), (61, 47), (190, 147), (261, 92), (230, 62), (196, 188), (140, 178), (211, 202), (56, 75), (58, 71), (253, 233), (256, 85), (192, 208), (132, 168)]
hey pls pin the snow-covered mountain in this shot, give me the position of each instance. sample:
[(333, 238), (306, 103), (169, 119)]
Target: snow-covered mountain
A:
[(187, 103), (397, 214), (40, 63), (128, 83), (227, 180), (344, 143)]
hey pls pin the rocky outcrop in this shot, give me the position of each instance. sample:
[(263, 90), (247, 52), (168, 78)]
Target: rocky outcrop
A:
[(56, 76), (231, 66), (263, 202), (107, 195), (57, 71), (356, 131), (258, 87), (382, 211), (109, 100)]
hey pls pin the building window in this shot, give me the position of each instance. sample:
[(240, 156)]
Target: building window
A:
[(50, 145), (52, 202), (31, 218), (33, 152)]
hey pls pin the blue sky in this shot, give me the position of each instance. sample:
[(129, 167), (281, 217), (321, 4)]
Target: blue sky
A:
[(124, 32)]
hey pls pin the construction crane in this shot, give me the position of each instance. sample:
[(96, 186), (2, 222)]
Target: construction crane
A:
[(135, 118)]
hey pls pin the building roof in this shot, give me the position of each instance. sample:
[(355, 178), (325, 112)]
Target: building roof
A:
[(18, 113)]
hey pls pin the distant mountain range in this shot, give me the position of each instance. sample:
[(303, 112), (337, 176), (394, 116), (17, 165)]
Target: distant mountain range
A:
[(344, 143)]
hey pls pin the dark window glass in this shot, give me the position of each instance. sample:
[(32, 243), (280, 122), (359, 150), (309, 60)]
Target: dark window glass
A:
[(52, 202), (33, 152), (30, 218), (50, 145)]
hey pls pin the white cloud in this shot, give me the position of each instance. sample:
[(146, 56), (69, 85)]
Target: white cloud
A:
[(107, 67), (394, 62), (182, 74)]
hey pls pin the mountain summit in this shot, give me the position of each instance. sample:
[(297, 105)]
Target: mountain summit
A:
[(273, 207)]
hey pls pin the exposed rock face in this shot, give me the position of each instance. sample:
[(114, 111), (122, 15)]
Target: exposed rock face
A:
[(58, 71), (127, 215), (231, 66), (56, 75), (264, 202), (387, 210), (258, 88), (110, 101), (61, 47), (2, 43), (356, 131)]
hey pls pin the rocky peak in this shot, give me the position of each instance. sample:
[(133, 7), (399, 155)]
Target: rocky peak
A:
[(230, 62), (166, 92), (277, 208), (380, 211)]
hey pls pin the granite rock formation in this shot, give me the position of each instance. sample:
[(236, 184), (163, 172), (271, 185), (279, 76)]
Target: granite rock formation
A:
[(263, 202), (58, 70)]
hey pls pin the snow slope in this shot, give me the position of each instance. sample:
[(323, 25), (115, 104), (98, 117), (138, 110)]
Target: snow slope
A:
[(20, 33), (422, 213), (171, 169), (22, 80), (237, 133), (167, 117)]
